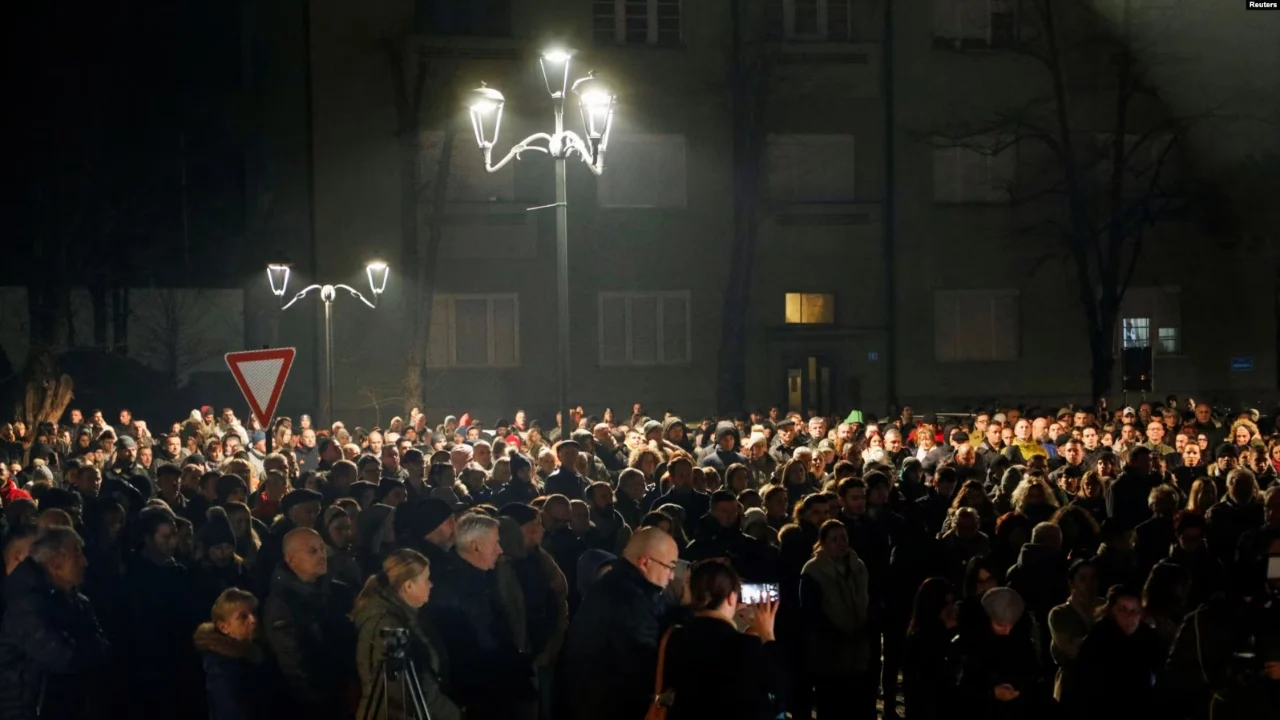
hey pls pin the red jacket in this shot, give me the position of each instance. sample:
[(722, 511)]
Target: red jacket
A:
[(11, 492)]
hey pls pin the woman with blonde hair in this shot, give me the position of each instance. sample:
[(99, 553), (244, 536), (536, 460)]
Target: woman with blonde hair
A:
[(388, 607), (1034, 498), (245, 471), (237, 685)]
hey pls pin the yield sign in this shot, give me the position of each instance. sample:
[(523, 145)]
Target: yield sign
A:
[(261, 375)]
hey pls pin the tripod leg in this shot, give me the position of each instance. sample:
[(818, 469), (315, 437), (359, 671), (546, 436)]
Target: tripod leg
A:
[(376, 689), (419, 699)]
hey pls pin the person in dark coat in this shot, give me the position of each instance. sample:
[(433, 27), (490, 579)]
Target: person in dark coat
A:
[(928, 678), (1117, 662), (718, 536), (695, 504), (307, 628), (726, 450), (608, 665), (481, 620), (1235, 514), (51, 648), (715, 671), (520, 488), (1153, 536), (1127, 495), (565, 480), (237, 683), (299, 508), (158, 618), (999, 669)]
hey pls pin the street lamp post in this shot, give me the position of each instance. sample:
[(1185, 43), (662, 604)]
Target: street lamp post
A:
[(278, 276), (596, 104)]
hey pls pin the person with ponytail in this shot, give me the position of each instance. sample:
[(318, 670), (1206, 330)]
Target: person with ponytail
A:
[(715, 670), (391, 599)]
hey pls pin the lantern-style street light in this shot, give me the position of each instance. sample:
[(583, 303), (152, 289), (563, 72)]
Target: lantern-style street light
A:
[(376, 272), (596, 104)]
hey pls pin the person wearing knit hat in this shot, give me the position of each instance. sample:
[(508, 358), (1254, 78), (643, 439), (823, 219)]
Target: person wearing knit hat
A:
[(523, 514), (217, 531), (231, 488), (428, 526), (60, 499), (1004, 608), (302, 506)]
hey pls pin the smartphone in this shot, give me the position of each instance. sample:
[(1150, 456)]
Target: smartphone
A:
[(1273, 568), (756, 593)]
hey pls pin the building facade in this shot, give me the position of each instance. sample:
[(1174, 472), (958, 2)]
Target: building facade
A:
[(969, 296)]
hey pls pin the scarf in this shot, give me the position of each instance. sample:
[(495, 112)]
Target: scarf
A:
[(1030, 448)]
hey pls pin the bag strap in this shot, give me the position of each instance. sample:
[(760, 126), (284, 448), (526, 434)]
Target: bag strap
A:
[(662, 660)]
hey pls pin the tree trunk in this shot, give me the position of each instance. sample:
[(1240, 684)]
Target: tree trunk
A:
[(47, 392)]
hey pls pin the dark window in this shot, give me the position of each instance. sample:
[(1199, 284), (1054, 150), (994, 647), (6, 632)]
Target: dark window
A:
[(479, 18)]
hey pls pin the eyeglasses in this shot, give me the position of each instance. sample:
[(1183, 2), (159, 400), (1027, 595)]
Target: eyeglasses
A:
[(672, 566)]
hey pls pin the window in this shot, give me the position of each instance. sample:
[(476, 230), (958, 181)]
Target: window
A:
[(636, 22), (468, 181), (810, 168), (813, 20), (474, 331), (968, 176), (645, 328), (644, 171), (975, 325), (975, 23), (1152, 313), (811, 308), (475, 18)]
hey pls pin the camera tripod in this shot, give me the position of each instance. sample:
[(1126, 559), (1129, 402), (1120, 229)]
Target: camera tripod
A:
[(397, 673)]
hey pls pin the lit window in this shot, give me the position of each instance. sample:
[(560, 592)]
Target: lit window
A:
[(1135, 333), (811, 308)]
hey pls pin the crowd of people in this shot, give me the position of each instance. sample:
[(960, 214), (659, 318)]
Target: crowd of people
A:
[(1011, 563)]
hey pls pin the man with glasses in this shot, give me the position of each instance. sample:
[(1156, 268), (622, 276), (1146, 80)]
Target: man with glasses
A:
[(611, 651)]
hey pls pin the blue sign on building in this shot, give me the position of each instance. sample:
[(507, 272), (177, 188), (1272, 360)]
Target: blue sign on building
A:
[(1242, 364)]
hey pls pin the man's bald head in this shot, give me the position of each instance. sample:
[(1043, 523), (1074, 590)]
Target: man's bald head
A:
[(654, 553), (304, 554)]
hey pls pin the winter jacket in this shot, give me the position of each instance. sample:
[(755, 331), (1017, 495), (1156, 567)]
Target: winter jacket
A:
[(719, 459), (1115, 672), (1040, 577), (695, 504), (611, 652), (544, 590), (51, 649), (312, 640), (159, 615), (237, 683), (1226, 521), (480, 617), (379, 612), (988, 660), (565, 482), (1127, 498), (718, 672), (834, 601), (929, 673)]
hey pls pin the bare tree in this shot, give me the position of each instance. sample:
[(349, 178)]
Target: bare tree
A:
[(1101, 187), (178, 330)]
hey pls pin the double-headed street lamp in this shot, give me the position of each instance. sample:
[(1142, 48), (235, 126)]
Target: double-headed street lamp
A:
[(596, 104), (278, 276)]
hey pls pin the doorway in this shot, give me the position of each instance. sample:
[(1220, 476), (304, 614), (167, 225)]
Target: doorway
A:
[(809, 386)]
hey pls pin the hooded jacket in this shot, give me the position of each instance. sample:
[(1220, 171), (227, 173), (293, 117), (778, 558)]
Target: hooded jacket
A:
[(719, 459), (384, 611)]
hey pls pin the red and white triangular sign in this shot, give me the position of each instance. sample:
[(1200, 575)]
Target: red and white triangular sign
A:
[(261, 375)]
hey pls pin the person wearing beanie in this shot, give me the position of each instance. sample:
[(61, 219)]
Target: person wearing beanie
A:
[(544, 592), (521, 488), (427, 526), (157, 618), (218, 567), (726, 451), (999, 659)]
